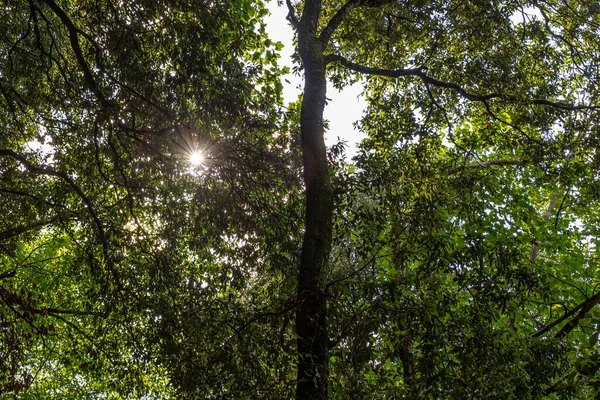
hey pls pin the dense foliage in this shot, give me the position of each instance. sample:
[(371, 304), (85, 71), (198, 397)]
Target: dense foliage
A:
[(454, 257)]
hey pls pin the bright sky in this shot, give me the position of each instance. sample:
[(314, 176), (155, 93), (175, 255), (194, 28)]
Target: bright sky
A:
[(343, 109)]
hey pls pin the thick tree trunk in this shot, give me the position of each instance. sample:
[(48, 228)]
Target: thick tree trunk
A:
[(311, 313)]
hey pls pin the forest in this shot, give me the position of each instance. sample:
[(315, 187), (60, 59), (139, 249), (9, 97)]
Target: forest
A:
[(173, 228)]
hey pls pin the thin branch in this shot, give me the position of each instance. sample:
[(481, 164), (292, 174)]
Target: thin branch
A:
[(47, 171), (488, 109), (8, 274), (583, 309), (420, 73), (560, 384), (331, 58), (558, 321), (56, 311), (337, 19), (485, 164), (291, 17), (74, 34), (11, 298)]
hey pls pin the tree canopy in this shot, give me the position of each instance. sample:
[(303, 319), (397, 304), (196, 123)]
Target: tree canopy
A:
[(173, 229)]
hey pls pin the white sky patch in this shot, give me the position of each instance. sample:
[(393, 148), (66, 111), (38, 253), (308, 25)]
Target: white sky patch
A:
[(528, 14), (45, 150), (344, 107)]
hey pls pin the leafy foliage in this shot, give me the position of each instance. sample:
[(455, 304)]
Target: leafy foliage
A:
[(463, 259)]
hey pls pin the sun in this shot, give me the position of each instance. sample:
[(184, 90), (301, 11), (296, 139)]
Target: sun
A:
[(196, 158)]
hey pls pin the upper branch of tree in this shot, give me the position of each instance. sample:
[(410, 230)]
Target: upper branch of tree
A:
[(420, 73), (74, 38), (12, 232), (291, 14), (396, 73), (337, 19), (47, 171), (10, 297), (583, 309), (558, 321), (56, 311), (8, 274)]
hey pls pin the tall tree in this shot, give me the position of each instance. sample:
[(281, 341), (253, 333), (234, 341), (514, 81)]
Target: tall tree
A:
[(524, 71)]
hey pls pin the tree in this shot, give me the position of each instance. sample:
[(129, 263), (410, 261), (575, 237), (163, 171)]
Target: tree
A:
[(465, 61), (455, 258)]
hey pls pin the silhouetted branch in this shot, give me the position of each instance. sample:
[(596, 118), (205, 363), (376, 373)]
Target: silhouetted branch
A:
[(8, 274), (583, 309), (292, 14), (50, 172), (420, 73), (74, 33)]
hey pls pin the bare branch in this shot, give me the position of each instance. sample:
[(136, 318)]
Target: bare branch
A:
[(292, 14), (485, 164), (420, 73), (337, 19)]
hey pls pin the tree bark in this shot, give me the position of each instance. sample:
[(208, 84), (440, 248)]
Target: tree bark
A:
[(311, 314)]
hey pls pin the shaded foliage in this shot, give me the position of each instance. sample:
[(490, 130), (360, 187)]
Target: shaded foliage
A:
[(454, 257)]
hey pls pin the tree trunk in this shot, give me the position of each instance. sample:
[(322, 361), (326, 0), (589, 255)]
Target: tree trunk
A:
[(311, 313)]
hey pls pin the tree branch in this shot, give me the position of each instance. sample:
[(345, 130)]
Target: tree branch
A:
[(8, 274), (291, 17), (396, 73), (558, 321), (420, 73), (586, 306), (583, 309), (56, 311), (12, 232), (47, 171), (337, 19), (74, 38)]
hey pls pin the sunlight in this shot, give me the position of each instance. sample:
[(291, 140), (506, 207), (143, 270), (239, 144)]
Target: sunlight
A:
[(196, 158)]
